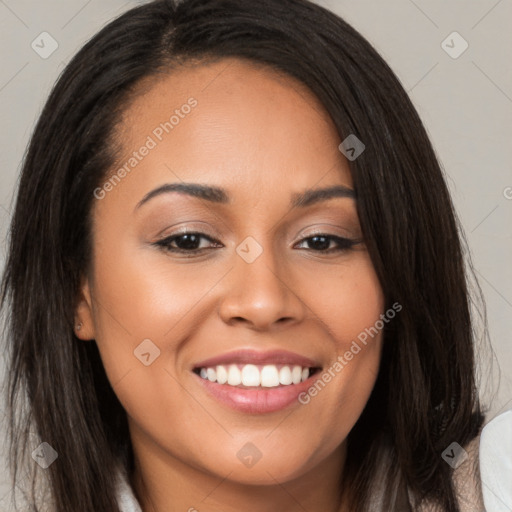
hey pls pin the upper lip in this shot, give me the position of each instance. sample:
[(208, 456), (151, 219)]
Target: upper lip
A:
[(247, 356)]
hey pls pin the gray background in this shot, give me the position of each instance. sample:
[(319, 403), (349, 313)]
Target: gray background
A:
[(465, 103)]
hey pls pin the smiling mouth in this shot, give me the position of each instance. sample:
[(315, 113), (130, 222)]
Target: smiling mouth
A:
[(251, 376)]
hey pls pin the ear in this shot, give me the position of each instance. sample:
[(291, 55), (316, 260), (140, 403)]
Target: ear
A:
[(84, 317)]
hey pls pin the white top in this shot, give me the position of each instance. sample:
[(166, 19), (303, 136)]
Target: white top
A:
[(125, 497), (495, 464)]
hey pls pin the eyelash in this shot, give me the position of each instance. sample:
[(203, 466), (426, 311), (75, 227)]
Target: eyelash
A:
[(344, 244)]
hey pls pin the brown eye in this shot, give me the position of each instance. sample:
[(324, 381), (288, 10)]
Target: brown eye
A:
[(185, 242), (322, 243)]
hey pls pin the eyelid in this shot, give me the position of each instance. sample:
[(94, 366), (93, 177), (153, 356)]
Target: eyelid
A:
[(204, 229), (327, 230)]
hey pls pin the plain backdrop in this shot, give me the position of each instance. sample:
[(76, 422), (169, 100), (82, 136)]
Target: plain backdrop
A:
[(464, 96)]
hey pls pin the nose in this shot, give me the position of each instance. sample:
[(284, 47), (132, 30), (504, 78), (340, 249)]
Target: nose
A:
[(261, 294)]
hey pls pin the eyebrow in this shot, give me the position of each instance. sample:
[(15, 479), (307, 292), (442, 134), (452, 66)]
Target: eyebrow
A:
[(221, 196)]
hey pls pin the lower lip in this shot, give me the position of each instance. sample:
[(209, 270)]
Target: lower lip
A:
[(256, 401)]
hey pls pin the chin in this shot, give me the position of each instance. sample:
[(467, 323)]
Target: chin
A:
[(268, 469)]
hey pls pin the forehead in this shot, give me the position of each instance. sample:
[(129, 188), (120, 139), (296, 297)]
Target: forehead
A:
[(230, 122)]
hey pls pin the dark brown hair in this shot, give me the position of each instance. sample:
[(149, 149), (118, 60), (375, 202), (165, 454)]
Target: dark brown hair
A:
[(425, 396)]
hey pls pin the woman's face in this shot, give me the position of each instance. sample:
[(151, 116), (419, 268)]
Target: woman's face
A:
[(252, 289)]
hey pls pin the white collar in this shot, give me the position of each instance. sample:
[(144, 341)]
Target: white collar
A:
[(126, 499), (496, 462)]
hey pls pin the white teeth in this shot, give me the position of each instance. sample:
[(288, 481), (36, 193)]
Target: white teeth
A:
[(269, 376), (296, 374), (234, 375), (250, 375), (222, 375), (285, 375)]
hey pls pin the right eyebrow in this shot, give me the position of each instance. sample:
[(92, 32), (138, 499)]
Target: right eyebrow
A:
[(207, 192)]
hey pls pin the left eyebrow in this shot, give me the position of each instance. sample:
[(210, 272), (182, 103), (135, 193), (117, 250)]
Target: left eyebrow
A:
[(313, 196), (219, 195)]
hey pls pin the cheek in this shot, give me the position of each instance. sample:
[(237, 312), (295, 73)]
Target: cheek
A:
[(350, 305), (141, 301), (139, 296), (347, 300)]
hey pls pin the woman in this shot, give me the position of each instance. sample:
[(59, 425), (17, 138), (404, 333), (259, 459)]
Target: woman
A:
[(235, 280)]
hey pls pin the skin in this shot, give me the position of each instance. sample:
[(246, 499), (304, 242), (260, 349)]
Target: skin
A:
[(263, 137)]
